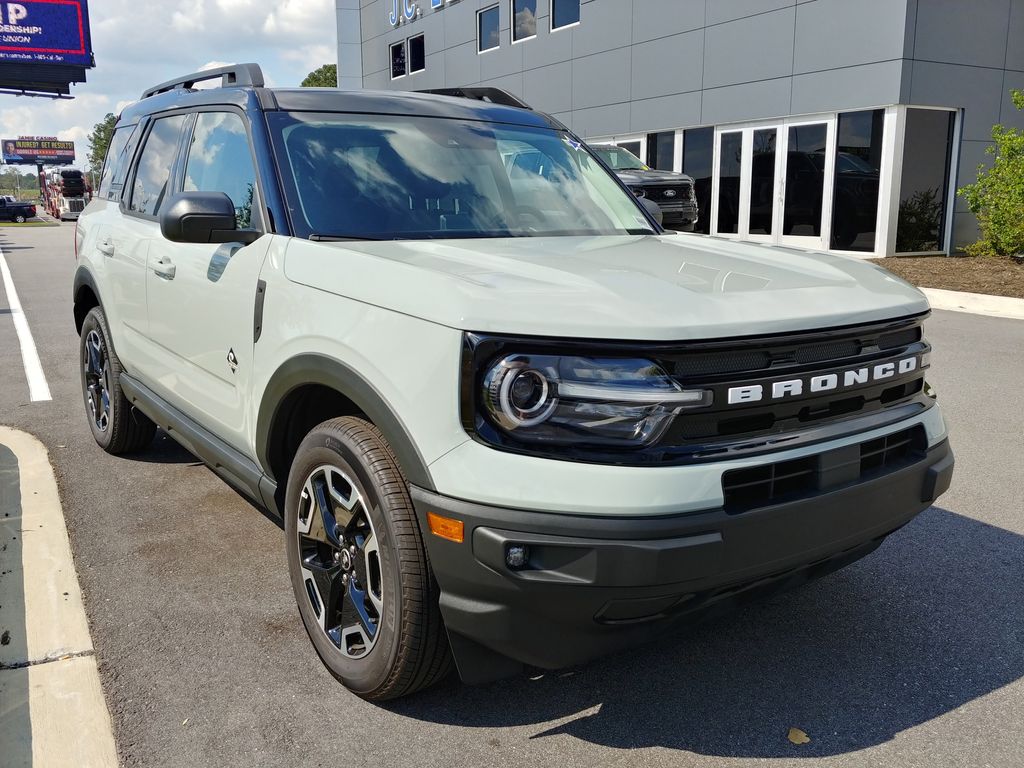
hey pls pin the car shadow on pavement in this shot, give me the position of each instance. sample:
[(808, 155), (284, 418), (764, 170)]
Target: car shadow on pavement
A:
[(931, 621), (165, 450), (15, 717)]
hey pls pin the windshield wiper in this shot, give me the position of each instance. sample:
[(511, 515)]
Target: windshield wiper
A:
[(318, 238)]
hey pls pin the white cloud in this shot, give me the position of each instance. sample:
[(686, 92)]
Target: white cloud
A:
[(139, 43)]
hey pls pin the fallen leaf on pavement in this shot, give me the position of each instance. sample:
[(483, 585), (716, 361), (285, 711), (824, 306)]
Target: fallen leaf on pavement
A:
[(797, 736)]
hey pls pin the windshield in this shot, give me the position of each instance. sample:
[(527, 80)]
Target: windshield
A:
[(619, 159), (398, 177)]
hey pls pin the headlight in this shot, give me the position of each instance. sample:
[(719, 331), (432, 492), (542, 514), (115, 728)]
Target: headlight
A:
[(581, 400), (639, 191)]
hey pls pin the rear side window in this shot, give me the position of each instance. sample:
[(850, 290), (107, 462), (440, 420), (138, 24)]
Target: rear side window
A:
[(219, 160), (152, 178), (115, 167)]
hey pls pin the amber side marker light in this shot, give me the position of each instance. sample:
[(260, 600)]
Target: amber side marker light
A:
[(446, 527)]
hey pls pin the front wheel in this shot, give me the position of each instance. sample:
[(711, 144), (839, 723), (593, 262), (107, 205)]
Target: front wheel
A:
[(116, 426), (19, 219), (358, 565)]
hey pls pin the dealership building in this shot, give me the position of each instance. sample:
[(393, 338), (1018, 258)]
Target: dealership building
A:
[(843, 125)]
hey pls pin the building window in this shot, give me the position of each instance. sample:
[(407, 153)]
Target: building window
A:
[(805, 180), (417, 54), (762, 182), (633, 147), (524, 20), (487, 22), (661, 150), (697, 160), (564, 13), (398, 60), (730, 163), (855, 190), (924, 186)]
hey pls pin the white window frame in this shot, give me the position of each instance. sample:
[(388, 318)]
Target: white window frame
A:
[(391, 60), (512, 24), (408, 59), (551, 18), (479, 40)]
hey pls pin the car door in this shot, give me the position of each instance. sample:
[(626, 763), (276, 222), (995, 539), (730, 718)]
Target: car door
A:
[(201, 296)]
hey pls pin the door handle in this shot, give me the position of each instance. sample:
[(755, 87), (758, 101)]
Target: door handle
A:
[(164, 268), (106, 248)]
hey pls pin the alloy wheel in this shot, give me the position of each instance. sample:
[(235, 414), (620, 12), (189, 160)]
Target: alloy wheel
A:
[(97, 380), (339, 555)]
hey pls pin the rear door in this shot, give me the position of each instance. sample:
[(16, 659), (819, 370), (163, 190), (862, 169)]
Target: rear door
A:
[(202, 296)]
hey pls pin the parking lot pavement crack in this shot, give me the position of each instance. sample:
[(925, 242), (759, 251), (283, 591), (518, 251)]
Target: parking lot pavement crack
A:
[(47, 660)]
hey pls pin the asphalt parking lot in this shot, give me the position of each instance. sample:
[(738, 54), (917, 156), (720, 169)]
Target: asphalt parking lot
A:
[(911, 657)]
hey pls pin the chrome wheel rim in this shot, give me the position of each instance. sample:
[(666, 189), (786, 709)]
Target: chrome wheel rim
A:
[(97, 380), (339, 556)]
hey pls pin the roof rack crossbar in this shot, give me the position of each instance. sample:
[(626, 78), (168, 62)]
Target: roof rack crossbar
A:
[(492, 95), (231, 75)]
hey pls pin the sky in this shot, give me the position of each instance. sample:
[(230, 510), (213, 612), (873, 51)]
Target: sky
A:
[(140, 43)]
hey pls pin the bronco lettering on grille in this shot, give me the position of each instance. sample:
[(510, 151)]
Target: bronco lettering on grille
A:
[(777, 390)]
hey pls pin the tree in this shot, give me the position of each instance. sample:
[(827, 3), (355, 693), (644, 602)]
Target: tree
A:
[(99, 140), (997, 197), (324, 77)]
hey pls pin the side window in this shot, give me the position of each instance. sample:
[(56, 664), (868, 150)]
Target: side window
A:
[(115, 167), (153, 175), (219, 160)]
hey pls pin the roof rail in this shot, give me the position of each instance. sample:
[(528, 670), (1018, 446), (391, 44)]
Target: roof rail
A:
[(233, 74), (493, 95)]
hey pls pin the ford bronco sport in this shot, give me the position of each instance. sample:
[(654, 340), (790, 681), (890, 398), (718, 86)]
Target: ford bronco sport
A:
[(506, 419)]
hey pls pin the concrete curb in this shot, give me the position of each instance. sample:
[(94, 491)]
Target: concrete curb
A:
[(53, 704), (975, 303)]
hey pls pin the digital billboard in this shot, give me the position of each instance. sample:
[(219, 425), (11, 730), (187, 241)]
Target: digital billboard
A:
[(37, 151), (45, 32)]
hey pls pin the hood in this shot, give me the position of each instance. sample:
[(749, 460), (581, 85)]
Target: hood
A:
[(653, 177), (653, 288)]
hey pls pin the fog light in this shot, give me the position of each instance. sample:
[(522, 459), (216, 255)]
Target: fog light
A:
[(516, 556)]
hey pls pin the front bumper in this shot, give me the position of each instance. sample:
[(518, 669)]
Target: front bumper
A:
[(593, 585)]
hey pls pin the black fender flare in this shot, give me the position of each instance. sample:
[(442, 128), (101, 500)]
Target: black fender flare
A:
[(326, 371), (83, 279)]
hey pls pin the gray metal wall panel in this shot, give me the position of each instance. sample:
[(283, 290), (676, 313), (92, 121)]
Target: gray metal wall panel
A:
[(549, 89), (600, 121), (834, 90), (746, 101), (667, 66), (601, 79), (976, 89), (462, 64), (1015, 34), (831, 34), (606, 24), (661, 18), (665, 113), (750, 49), (727, 10), (958, 32), (1009, 115)]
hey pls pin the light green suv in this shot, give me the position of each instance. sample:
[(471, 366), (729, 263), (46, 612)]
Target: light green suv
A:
[(507, 420)]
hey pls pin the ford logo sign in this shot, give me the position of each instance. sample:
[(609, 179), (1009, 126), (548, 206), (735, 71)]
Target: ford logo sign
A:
[(670, 193)]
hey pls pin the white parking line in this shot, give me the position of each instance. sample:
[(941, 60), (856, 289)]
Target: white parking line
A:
[(38, 389)]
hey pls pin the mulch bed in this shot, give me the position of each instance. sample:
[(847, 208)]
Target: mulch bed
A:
[(993, 276)]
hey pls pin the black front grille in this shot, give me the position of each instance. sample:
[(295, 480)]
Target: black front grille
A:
[(769, 484), (667, 193)]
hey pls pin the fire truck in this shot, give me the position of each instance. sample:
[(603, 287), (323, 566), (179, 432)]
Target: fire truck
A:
[(65, 193)]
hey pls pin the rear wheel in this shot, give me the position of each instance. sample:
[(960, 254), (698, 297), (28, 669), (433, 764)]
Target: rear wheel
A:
[(19, 219), (358, 566), (116, 426)]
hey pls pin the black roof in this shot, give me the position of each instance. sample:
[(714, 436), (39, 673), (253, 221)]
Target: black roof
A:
[(178, 94)]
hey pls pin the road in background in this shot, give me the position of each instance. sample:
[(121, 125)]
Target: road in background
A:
[(911, 657)]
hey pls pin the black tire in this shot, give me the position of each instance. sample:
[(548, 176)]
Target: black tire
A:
[(116, 426), (409, 649)]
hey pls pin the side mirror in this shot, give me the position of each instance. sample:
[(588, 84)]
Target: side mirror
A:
[(203, 217), (652, 208)]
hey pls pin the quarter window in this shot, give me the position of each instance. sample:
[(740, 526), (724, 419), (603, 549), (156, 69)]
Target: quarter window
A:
[(398, 60), (524, 19), (417, 54), (564, 13), (153, 175), (219, 160), (487, 35), (116, 166)]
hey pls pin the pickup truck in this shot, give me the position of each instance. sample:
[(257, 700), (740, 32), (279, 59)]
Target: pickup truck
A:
[(16, 212)]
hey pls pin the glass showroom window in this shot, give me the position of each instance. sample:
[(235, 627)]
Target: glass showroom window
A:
[(417, 54), (661, 150), (924, 186), (730, 164), (398, 60), (762, 182), (564, 13), (698, 152), (524, 20), (487, 38), (857, 175)]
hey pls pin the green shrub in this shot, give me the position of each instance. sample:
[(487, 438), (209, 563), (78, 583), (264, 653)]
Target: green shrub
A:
[(997, 197)]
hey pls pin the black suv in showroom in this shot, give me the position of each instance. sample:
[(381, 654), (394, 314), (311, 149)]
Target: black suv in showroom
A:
[(672, 192)]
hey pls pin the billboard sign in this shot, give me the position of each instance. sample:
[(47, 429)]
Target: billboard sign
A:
[(37, 151), (45, 32)]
